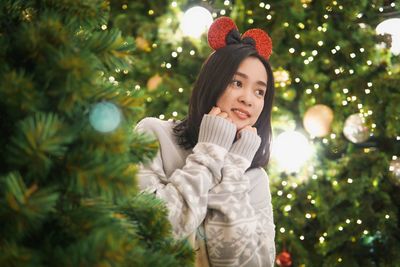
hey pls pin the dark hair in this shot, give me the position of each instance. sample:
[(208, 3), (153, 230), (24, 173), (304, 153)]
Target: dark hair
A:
[(214, 77)]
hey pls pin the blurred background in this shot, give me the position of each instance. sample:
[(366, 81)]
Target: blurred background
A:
[(76, 77), (335, 167)]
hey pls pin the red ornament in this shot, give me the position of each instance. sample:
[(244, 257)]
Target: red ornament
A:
[(221, 27), (284, 259)]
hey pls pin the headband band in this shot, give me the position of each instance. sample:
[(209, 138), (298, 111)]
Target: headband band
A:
[(223, 31)]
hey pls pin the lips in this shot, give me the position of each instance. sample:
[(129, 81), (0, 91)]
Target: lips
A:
[(241, 113)]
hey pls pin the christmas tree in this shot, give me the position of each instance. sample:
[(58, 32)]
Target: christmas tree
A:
[(334, 187), (68, 194)]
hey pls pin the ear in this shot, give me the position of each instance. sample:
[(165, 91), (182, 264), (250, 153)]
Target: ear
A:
[(218, 31), (263, 42)]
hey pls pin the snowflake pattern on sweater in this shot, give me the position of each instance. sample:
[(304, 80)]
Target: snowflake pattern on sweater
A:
[(209, 188)]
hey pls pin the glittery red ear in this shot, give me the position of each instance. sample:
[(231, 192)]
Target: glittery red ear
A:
[(218, 31), (262, 40)]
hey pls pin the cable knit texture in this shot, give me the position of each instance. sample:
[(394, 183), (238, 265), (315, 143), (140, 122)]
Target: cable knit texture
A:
[(212, 200)]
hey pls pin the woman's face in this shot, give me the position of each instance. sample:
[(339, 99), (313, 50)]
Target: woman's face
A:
[(243, 99)]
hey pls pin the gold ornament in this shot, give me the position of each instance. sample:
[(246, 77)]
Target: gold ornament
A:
[(281, 78), (355, 129), (154, 82), (142, 44), (317, 120)]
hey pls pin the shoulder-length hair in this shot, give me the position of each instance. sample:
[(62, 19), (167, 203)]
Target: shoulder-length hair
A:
[(214, 77)]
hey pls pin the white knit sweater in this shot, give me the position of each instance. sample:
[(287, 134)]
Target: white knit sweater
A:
[(224, 210)]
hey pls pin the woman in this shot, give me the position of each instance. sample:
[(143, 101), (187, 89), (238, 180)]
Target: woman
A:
[(209, 169)]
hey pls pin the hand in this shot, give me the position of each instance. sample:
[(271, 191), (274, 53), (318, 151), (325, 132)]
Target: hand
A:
[(246, 128), (216, 111)]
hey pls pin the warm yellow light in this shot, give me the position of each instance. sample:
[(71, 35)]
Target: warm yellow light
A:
[(196, 21)]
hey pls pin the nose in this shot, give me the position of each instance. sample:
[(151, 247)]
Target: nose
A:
[(245, 98)]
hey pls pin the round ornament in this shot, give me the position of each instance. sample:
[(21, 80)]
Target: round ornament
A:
[(317, 120), (284, 259), (105, 117), (355, 129), (282, 76), (154, 82), (142, 44)]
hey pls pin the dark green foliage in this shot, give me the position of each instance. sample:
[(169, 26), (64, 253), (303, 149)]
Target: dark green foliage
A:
[(344, 27), (64, 187)]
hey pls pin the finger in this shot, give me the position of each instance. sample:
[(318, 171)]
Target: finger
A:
[(223, 115), (215, 111)]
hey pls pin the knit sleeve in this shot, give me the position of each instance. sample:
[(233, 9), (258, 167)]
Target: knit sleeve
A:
[(185, 191), (239, 233)]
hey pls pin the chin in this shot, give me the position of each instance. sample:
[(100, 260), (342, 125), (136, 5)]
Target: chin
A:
[(240, 125)]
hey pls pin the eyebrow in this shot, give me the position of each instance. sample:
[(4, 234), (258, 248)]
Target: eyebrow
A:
[(247, 77)]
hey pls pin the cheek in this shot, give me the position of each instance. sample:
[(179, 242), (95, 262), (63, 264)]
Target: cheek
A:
[(223, 101), (258, 111)]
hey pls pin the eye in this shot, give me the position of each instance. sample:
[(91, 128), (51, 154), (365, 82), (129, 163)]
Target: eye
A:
[(237, 83), (260, 92)]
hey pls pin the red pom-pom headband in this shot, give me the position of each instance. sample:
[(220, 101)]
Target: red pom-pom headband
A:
[(223, 30)]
